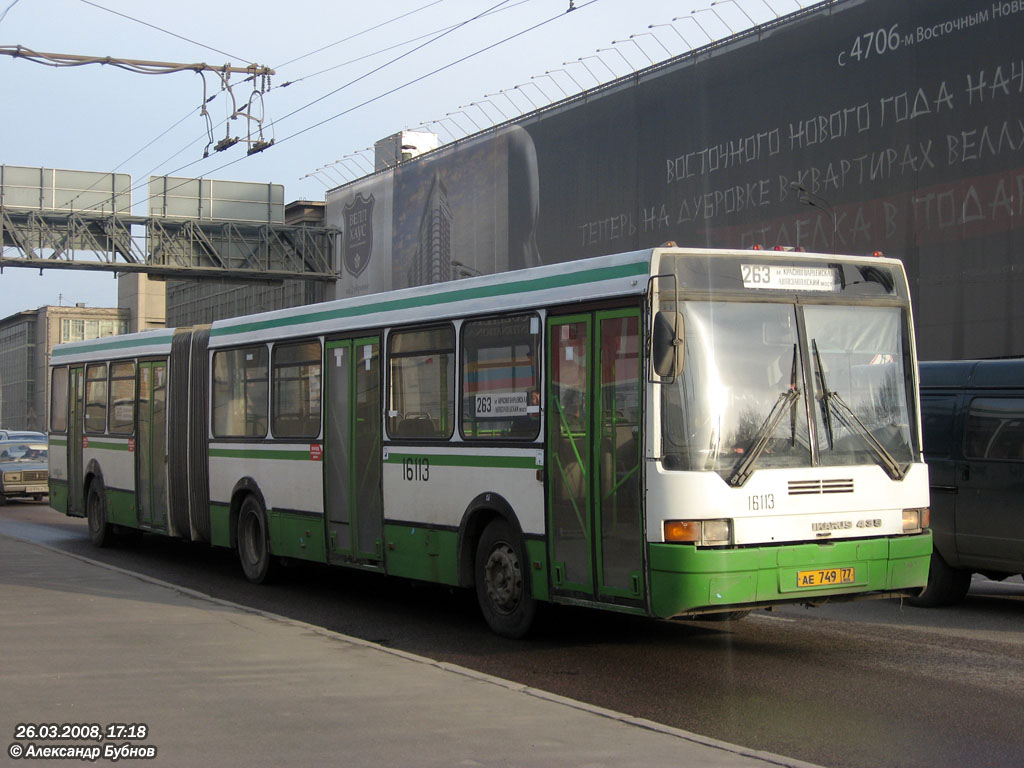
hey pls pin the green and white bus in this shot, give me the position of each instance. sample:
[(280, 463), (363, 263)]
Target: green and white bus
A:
[(670, 432)]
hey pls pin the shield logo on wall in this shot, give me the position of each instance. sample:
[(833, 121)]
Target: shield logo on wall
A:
[(358, 217)]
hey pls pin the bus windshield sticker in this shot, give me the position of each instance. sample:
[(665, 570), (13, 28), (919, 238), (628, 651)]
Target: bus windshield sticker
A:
[(502, 406), (789, 278)]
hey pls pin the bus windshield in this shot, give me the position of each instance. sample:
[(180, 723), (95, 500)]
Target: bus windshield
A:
[(755, 392)]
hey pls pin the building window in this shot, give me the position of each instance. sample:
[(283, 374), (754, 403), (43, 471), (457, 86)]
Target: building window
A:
[(72, 330), (422, 396), (501, 378), (75, 329), (96, 398), (296, 383), (122, 398), (240, 392)]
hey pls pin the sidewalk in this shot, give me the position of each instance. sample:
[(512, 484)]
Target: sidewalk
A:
[(220, 685)]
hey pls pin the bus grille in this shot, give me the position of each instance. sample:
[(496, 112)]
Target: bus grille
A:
[(815, 487)]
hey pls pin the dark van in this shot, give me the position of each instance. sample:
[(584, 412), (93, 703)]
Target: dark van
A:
[(973, 422)]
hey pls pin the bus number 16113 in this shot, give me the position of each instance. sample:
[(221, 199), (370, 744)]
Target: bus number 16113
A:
[(417, 469)]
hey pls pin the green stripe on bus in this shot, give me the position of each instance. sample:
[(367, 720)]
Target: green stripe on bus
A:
[(104, 446), (450, 297), (447, 460), (111, 344), (258, 453)]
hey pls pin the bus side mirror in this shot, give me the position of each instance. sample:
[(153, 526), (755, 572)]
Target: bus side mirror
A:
[(667, 344)]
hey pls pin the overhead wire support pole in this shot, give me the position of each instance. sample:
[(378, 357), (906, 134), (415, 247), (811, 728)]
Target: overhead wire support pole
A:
[(253, 72), (141, 66)]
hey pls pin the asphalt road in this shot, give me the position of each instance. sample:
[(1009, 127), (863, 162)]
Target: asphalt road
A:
[(865, 684)]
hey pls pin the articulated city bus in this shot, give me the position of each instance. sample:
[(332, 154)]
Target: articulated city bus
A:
[(670, 432)]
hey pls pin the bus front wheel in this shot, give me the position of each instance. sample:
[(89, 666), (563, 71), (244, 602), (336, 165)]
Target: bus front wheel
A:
[(502, 584), (101, 533), (254, 541)]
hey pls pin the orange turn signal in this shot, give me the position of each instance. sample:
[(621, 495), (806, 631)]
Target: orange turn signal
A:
[(682, 530)]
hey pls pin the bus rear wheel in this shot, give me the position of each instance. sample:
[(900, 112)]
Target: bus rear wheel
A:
[(502, 584), (254, 541), (101, 532)]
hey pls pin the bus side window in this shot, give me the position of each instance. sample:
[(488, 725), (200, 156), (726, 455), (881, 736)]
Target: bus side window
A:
[(96, 398), (422, 383), (240, 392), (295, 380), (501, 378), (121, 408)]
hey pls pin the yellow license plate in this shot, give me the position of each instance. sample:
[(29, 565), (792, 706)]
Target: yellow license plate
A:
[(826, 577)]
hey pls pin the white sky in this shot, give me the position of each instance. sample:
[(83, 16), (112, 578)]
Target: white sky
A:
[(99, 118)]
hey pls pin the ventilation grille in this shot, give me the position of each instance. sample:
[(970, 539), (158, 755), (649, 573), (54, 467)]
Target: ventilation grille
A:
[(816, 487)]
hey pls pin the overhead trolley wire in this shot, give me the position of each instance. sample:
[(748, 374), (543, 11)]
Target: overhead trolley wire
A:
[(443, 30), (358, 34), (165, 31), (383, 50), (390, 91), (398, 58), (416, 79), (142, 184), (4, 14), (181, 37)]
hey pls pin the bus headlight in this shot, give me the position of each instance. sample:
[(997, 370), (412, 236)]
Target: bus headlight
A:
[(916, 520), (706, 533)]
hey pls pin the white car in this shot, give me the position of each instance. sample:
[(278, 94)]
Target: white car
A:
[(23, 469)]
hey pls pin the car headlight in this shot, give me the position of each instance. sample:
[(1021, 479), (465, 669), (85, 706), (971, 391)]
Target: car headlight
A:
[(12, 477)]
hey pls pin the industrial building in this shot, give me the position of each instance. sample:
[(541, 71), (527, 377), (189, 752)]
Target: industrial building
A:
[(27, 339)]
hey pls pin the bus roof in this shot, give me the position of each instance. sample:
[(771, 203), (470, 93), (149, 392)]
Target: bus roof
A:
[(601, 277), (155, 342), (586, 279)]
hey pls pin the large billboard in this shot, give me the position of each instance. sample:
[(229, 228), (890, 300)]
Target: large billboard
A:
[(51, 190), (852, 126)]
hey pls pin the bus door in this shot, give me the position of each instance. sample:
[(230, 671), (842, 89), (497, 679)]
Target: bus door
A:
[(595, 519), (151, 445), (76, 476), (352, 451)]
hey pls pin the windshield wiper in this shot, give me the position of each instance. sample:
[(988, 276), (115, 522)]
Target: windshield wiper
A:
[(763, 435), (831, 403)]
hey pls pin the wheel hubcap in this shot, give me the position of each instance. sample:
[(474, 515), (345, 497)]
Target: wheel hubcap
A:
[(503, 577)]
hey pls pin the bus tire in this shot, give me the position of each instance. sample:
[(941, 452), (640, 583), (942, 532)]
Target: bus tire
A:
[(254, 541), (946, 585), (502, 583), (101, 532)]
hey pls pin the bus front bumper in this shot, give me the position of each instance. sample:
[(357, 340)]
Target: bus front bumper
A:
[(686, 580)]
